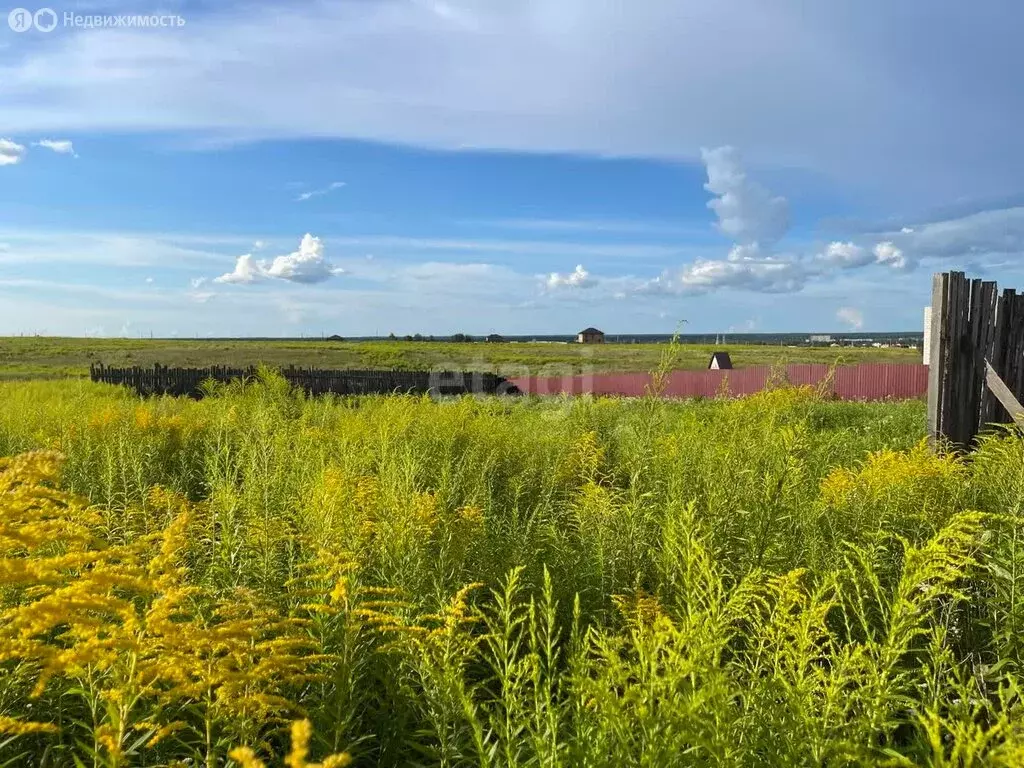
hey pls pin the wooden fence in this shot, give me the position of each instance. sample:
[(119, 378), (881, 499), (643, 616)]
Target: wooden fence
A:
[(976, 356), (161, 380)]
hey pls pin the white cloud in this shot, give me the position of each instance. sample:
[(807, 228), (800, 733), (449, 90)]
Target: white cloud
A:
[(149, 280), (246, 271), (985, 238), (578, 278), (306, 265), (756, 219), (990, 234), (60, 146), (845, 255), (851, 316), (747, 212), (11, 153), (318, 192), (888, 254), (259, 245), (745, 268)]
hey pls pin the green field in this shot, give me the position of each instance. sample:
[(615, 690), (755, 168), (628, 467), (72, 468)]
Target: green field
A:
[(24, 357), (777, 580)]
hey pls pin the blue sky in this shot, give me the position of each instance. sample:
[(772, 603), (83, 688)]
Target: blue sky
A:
[(434, 166)]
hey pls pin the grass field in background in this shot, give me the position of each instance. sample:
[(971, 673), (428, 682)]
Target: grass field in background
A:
[(776, 580), (26, 357)]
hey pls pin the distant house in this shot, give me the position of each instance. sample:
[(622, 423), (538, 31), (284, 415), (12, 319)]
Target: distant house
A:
[(720, 361), (495, 338), (335, 337), (590, 336)]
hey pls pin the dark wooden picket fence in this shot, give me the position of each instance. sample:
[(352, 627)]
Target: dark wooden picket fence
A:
[(162, 380), (976, 371)]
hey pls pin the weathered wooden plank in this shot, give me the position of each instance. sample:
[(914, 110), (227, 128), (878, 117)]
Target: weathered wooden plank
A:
[(973, 365), (1004, 395), (948, 379), (939, 341), (1013, 371), (957, 362), (990, 301)]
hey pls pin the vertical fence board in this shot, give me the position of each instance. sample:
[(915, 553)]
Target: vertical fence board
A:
[(939, 341)]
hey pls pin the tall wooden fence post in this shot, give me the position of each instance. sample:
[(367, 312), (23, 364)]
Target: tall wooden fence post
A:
[(938, 349)]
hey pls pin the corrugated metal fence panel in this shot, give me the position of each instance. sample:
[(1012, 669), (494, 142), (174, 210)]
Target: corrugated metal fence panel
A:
[(882, 381), (876, 381)]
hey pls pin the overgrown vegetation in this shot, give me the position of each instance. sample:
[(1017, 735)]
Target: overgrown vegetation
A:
[(777, 580), (33, 357)]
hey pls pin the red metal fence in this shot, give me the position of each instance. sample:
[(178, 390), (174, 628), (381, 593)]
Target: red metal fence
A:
[(880, 381)]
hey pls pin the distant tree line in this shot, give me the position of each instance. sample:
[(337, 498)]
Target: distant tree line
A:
[(458, 337)]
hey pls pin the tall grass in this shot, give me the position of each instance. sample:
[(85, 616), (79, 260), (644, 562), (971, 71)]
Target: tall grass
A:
[(777, 580)]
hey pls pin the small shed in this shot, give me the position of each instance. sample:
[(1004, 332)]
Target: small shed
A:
[(335, 337), (590, 336), (495, 338), (720, 361)]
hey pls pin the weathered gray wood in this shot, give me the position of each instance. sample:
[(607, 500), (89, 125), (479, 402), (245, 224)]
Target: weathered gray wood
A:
[(937, 354), (953, 312), (973, 379), (958, 356), (976, 351), (989, 404), (1003, 394)]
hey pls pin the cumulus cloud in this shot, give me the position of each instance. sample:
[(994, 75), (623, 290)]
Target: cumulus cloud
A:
[(578, 278), (319, 192), (747, 212), (845, 255), (851, 316), (888, 254), (747, 268), (11, 153), (246, 271), (755, 219), (306, 265), (60, 146)]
